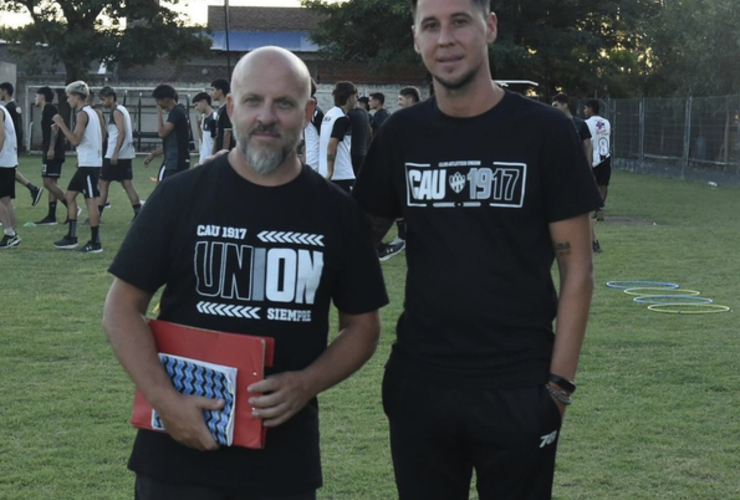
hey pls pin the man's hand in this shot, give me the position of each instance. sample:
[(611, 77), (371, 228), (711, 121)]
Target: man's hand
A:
[(184, 422), (50, 154), (114, 159), (57, 118), (284, 395), (209, 159), (148, 159)]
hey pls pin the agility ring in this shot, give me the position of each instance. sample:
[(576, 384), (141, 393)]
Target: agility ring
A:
[(632, 284), (640, 290), (690, 300), (700, 308)]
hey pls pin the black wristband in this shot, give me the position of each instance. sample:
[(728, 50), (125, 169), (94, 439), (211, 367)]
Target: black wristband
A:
[(565, 384)]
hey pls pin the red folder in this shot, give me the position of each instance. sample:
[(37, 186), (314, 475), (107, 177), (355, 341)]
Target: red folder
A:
[(247, 353)]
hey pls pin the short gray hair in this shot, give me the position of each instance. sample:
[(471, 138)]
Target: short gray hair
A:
[(79, 87)]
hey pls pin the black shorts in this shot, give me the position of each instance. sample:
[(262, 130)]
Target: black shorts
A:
[(7, 182), (123, 171), (603, 172), (164, 173), (51, 168), (148, 488), (346, 184), (85, 181), (440, 434)]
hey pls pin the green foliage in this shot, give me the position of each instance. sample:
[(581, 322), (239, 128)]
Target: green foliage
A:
[(77, 36), (695, 48)]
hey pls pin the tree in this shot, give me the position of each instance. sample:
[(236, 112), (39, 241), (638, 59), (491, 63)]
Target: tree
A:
[(695, 48), (580, 46), (81, 32)]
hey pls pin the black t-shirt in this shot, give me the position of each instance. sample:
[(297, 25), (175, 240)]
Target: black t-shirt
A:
[(176, 152), (582, 128), (284, 254), (477, 195), (379, 119), (46, 122), (223, 123), (360, 123)]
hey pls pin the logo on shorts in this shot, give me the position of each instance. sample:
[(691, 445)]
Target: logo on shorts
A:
[(548, 438)]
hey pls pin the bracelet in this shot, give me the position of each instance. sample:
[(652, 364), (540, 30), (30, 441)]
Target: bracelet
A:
[(561, 396), (566, 384)]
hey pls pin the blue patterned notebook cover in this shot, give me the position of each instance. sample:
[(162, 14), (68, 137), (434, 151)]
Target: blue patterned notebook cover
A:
[(193, 377)]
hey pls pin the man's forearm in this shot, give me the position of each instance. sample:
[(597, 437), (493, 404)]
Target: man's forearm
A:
[(227, 139), (573, 308), (379, 226), (133, 344)]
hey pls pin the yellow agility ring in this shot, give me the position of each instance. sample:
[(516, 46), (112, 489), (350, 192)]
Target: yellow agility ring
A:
[(638, 290), (692, 308)]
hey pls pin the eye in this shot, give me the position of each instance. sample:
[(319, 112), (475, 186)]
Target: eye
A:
[(284, 104), (429, 25)]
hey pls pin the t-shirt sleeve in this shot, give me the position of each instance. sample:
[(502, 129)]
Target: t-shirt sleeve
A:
[(176, 116), (360, 287), (341, 127), (568, 182), (224, 121), (143, 258), (375, 188), (585, 131)]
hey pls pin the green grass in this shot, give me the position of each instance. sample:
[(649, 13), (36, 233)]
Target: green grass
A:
[(655, 417)]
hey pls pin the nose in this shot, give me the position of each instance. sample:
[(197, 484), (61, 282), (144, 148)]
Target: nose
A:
[(266, 114), (445, 35)]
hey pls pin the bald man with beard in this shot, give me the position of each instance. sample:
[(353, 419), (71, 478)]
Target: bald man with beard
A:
[(320, 252)]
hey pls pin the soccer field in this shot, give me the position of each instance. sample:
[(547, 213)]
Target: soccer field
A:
[(656, 415)]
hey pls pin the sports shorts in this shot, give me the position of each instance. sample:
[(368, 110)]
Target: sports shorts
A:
[(123, 171), (7, 182), (85, 181), (164, 173), (603, 172), (51, 168)]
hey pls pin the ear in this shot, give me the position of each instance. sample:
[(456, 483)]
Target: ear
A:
[(229, 105), (417, 48), (492, 26), (310, 108)]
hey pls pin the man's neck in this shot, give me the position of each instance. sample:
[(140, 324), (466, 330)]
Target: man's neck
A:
[(474, 99), (285, 173)]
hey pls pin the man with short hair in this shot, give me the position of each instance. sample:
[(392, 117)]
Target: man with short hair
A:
[(335, 153), (8, 164), (224, 138), (174, 133), (601, 130), (6, 95), (377, 101), (493, 187), (53, 154), (205, 237), (408, 96), (120, 154), (206, 124), (87, 138)]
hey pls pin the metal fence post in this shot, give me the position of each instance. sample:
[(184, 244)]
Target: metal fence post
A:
[(686, 137), (641, 128)]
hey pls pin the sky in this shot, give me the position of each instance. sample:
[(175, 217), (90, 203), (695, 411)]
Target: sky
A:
[(194, 8)]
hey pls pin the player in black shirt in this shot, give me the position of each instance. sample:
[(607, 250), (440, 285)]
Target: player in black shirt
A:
[(52, 150), (493, 187), (252, 231), (174, 133), (6, 95), (224, 134)]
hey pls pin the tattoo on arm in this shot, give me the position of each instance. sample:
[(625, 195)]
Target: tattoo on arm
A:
[(562, 248), (379, 226)]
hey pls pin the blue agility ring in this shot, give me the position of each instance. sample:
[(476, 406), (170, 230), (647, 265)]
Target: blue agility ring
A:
[(672, 299), (631, 284)]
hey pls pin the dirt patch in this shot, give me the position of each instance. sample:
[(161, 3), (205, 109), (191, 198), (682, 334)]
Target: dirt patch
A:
[(623, 219)]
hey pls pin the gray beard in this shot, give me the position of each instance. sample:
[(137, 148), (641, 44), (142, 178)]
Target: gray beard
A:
[(266, 161)]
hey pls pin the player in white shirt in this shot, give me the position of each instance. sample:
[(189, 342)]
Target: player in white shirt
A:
[(601, 131), (8, 164), (88, 140), (335, 142), (118, 161), (311, 139)]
